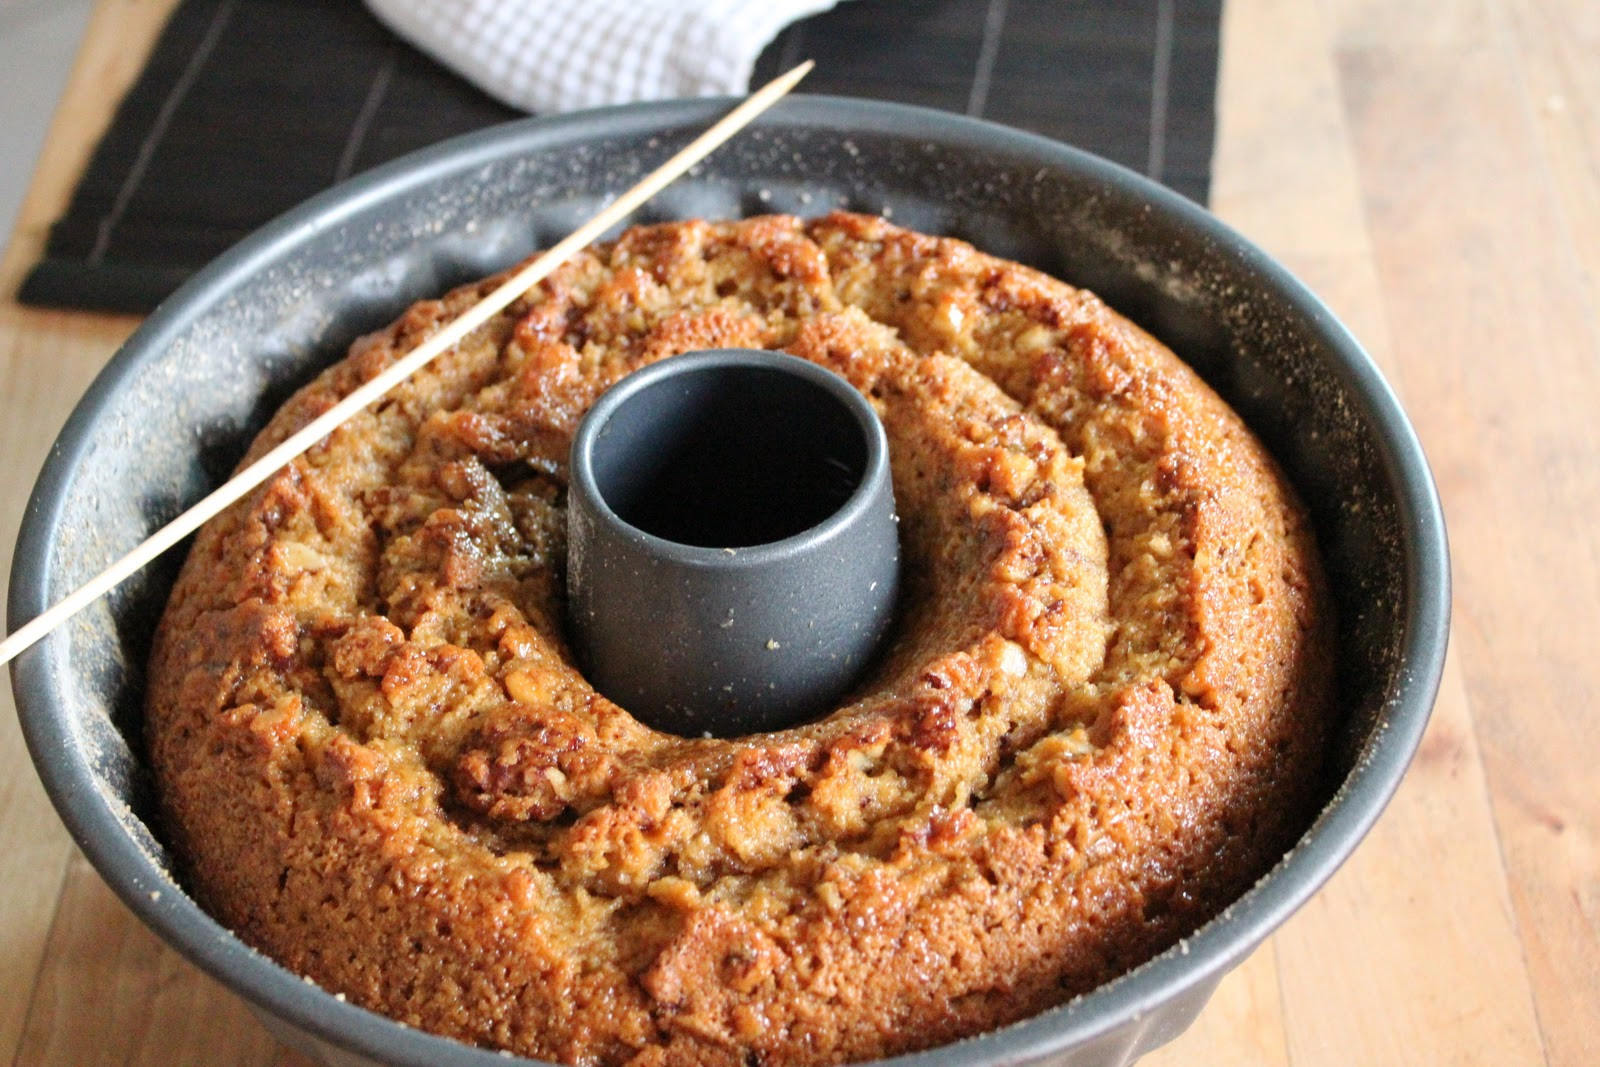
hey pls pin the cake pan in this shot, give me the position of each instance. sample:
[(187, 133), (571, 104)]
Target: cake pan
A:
[(175, 408)]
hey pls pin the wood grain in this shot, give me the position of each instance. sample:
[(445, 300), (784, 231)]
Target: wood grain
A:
[(46, 361), (42, 370), (1555, 45), (1432, 170), (1496, 324), (1371, 945), (1242, 1023), (149, 1007)]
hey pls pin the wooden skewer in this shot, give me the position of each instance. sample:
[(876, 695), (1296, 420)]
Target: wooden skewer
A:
[(526, 278)]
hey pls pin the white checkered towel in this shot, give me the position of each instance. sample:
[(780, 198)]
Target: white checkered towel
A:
[(562, 55)]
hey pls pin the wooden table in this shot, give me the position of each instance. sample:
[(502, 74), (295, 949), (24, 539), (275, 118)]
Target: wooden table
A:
[(1432, 169)]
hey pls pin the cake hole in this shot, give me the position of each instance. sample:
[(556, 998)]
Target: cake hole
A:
[(729, 457)]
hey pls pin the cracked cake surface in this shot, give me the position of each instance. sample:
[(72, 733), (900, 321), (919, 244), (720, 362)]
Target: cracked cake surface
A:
[(1100, 716)]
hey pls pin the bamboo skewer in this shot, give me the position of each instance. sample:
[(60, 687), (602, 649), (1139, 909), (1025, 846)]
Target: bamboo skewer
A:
[(519, 283)]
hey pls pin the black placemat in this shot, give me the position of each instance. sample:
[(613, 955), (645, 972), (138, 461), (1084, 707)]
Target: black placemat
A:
[(248, 107)]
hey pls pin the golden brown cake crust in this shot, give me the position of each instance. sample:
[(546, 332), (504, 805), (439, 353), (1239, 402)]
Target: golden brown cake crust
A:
[(1102, 717)]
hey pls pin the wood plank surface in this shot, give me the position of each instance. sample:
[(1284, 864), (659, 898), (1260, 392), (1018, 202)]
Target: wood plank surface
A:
[(1368, 948), (1432, 170), (46, 361), (1493, 303), (151, 1008)]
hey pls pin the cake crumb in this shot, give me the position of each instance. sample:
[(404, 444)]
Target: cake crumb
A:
[(1105, 621)]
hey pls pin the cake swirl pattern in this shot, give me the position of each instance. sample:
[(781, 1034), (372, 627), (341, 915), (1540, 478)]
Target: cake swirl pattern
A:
[(1100, 718)]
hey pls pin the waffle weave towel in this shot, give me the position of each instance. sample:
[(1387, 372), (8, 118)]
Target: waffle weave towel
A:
[(562, 55)]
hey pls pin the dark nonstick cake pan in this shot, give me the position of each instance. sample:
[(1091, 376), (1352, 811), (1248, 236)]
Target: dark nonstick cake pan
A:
[(174, 410)]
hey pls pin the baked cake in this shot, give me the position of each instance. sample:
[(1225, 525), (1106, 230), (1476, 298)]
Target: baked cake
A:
[(1100, 718)]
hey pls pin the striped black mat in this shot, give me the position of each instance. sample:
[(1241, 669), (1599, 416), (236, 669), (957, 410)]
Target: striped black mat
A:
[(248, 107)]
